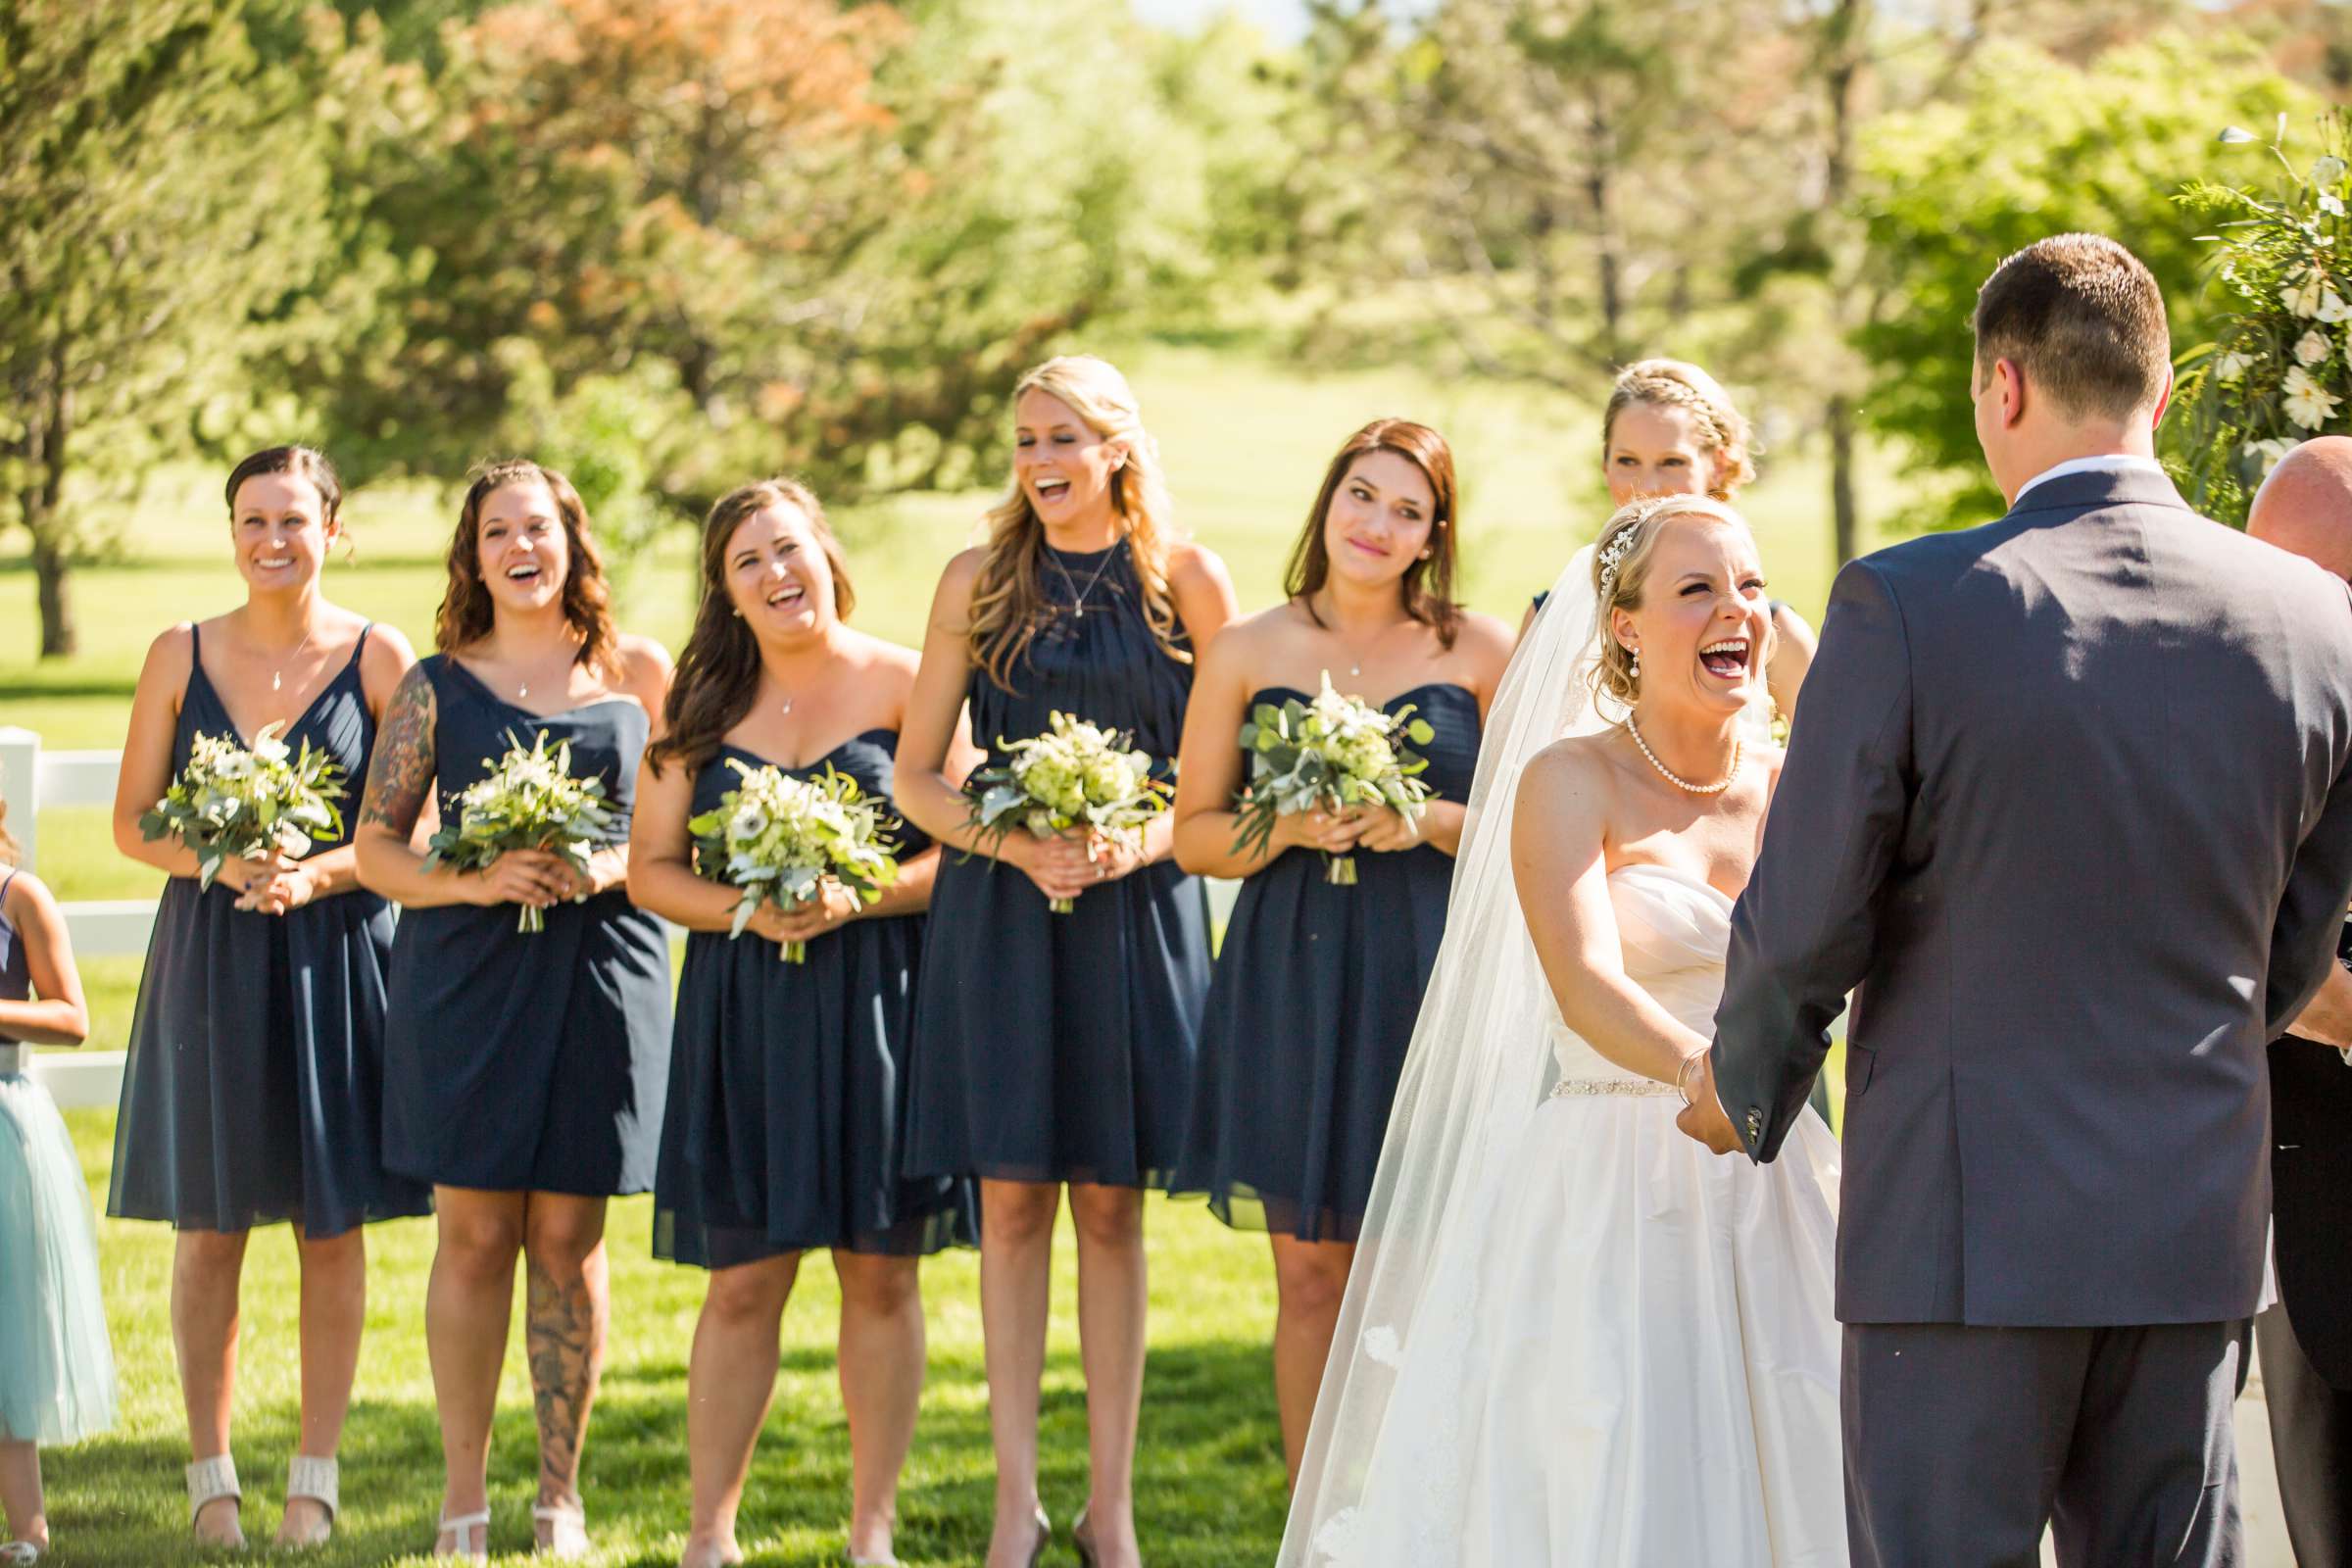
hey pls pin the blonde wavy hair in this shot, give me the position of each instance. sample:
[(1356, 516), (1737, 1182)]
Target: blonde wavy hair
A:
[(1621, 559), (1009, 603), (1678, 384), (10, 849)]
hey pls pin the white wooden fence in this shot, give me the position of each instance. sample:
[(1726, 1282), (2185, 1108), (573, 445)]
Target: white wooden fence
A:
[(31, 779)]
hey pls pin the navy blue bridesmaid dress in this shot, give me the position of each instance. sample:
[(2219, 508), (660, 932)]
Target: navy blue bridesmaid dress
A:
[(786, 1113), (254, 1089), (1316, 991), (1058, 1047), (528, 1061)]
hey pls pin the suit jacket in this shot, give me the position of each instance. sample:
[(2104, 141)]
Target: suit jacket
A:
[(2066, 800), (2311, 1206)]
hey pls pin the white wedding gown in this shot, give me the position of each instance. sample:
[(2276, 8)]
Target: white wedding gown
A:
[(1633, 1358)]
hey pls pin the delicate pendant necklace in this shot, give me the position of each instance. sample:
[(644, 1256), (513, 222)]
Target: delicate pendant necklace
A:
[(1676, 779), (277, 675), (1078, 594)]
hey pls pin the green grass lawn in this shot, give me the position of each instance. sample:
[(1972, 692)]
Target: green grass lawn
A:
[(1209, 1473), (1245, 442)]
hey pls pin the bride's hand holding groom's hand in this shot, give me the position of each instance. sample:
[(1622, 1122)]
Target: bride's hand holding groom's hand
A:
[(1703, 1117)]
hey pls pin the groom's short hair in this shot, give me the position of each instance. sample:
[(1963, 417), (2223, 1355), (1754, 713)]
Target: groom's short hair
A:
[(2085, 321)]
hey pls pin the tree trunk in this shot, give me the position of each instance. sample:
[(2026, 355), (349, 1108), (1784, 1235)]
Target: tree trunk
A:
[(1845, 515), (1601, 198), (42, 508)]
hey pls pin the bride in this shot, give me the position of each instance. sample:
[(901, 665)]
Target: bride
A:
[(1572, 1335)]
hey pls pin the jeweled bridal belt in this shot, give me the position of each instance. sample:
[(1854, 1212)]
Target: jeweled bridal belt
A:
[(1609, 1085)]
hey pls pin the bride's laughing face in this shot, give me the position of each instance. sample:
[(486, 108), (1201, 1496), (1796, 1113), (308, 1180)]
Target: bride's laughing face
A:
[(1701, 625)]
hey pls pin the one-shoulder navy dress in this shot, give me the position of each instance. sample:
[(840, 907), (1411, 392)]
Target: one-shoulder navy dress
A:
[(1316, 991), (787, 1081), (1053, 1048), (528, 1061), (254, 1091)]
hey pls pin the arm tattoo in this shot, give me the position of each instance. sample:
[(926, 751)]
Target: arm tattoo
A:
[(401, 772), (564, 1337)]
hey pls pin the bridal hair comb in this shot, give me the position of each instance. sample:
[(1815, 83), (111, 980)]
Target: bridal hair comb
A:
[(1621, 544)]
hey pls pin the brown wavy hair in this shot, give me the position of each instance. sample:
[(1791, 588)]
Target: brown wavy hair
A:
[(1009, 603), (1427, 587), (719, 669), (466, 617)]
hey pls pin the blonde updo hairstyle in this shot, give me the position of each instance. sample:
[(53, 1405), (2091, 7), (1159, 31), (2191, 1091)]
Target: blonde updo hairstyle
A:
[(1677, 384), (1010, 601), (1630, 536)]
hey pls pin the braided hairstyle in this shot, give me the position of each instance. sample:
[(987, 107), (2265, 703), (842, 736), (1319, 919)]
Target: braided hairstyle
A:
[(1677, 384)]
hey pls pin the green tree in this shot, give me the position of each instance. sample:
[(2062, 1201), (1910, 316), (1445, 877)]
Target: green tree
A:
[(2030, 146), (169, 223)]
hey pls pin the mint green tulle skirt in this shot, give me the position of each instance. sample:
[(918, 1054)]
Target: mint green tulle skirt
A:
[(57, 1369)]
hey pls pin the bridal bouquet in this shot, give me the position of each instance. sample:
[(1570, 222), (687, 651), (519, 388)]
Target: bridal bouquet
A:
[(1075, 775), (780, 838), (229, 801), (530, 800), (1333, 753)]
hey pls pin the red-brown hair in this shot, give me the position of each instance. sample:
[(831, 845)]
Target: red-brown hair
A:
[(1427, 586), (466, 617)]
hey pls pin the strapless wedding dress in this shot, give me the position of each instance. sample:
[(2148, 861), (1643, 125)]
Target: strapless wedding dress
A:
[(1638, 1366)]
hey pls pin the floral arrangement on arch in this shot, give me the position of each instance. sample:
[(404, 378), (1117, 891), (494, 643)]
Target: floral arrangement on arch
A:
[(2278, 368)]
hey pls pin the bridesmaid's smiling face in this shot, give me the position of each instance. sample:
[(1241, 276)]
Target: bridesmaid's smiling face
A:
[(520, 539), (1702, 623), (1380, 519), (778, 579), (1655, 450), (1064, 463), (280, 533)]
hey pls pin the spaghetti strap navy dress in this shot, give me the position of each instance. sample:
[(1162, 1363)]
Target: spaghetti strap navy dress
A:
[(1058, 1047), (786, 1113), (1316, 991), (528, 1062), (254, 1089)]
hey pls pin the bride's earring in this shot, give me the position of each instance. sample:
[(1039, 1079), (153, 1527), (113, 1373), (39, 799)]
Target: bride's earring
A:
[(1636, 669)]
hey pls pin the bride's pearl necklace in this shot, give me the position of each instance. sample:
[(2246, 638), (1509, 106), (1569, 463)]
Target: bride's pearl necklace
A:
[(1676, 779)]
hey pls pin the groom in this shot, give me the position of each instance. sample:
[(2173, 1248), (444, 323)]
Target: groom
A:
[(2068, 801)]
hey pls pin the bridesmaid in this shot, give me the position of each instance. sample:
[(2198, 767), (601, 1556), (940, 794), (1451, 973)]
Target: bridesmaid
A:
[(1671, 429), (524, 1072), (254, 1089), (1287, 1121), (1055, 1049), (786, 1087)]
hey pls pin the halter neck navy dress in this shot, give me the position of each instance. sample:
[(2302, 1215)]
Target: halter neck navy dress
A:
[(254, 1089), (1058, 1047), (1316, 991), (528, 1061), (787, 1081)]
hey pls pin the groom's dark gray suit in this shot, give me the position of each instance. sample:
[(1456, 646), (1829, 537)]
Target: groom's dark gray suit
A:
[(2066, 806)]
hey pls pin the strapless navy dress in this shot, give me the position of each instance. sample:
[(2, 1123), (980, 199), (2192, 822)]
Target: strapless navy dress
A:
[(254, 1089), (529, 1062), (788, 1081), (1316, 991), (1053, 1048)]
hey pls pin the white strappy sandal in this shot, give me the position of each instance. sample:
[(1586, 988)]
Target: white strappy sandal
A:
[(209, 1481), (19, 1553), (318, 1480), (567, 1529), (456, 1530)]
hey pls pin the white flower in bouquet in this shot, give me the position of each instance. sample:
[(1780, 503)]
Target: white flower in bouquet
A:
[(1076, 777), (530, 800), (2307, 403), (231, 801), (1329, 754), (2232, 365), (2312, 347), (2326, 171), (779, 839), (2304, 287)]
